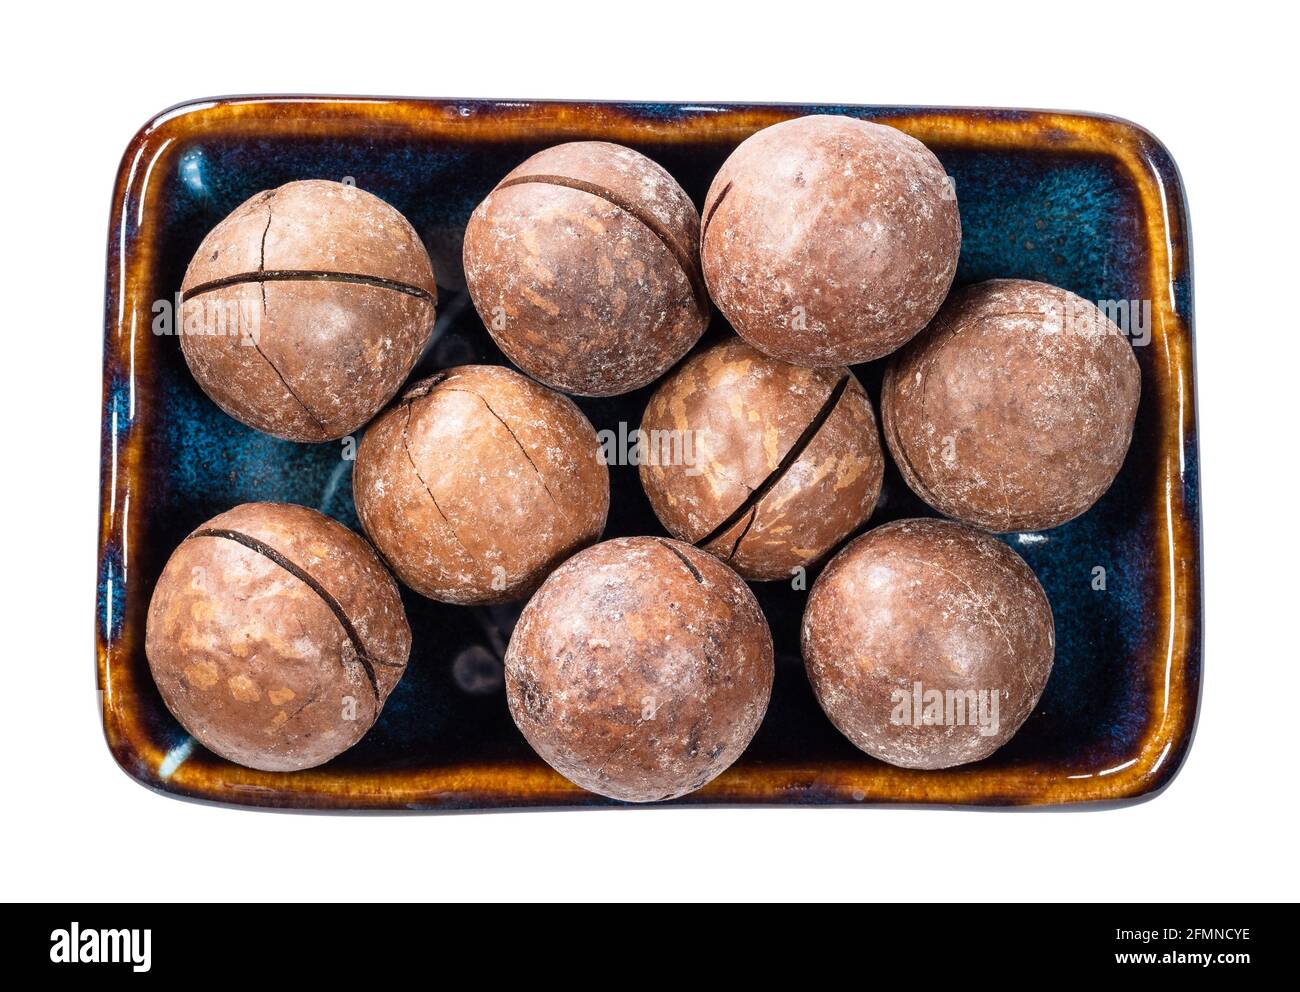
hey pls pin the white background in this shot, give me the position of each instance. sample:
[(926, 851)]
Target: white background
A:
[(1217, 89)]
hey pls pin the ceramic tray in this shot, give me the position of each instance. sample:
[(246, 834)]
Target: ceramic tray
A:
[(1090, 203)]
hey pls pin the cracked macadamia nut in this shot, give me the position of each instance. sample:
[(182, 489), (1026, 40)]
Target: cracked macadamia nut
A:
[(478, 483), (583, 264), (928, 643), (275, 635), (1014, 410), (829, 240), (765, 464), (306, 309), (641, 669)]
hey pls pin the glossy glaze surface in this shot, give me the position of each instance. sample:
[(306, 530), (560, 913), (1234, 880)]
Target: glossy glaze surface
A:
[(1089, 203)]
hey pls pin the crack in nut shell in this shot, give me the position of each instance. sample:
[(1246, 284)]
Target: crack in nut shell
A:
[(1014, 410), (583, 265), (830, 240), (305, 309), (787, 460), (275, 635), (298, 275), (478, 483), (934, 603), (641, 669)]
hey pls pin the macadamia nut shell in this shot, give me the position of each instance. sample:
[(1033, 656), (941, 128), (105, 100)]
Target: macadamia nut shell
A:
[(641, 669), (785, 461), (830, 240), (928, 606), (478, 483), (584, 265), (1014, 410), (275, 635), (306, 308)]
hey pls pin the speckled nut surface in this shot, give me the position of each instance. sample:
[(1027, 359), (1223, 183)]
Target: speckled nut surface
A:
[(584, 265), (1015, 408), (478, 483), (306, 309), (785, 462), (928, 643), (829, 240), (641, 669), (275, 635)]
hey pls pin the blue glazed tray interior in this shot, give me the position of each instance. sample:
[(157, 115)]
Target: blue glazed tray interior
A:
[(1068, 221)]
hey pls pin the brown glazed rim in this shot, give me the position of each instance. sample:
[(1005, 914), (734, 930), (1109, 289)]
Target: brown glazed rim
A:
[(1172, 667)]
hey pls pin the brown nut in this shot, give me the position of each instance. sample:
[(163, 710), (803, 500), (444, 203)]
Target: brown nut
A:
[(1015, 408), (829, 240), (583, 264), (641, 669), (275, 635), (478, 483), (306, 309), (928, 643), (765, 464)]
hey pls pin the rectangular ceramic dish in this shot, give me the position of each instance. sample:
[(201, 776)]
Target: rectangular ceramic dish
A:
[(1090, 203)]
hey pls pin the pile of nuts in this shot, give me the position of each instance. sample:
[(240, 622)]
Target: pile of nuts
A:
[(641, 667)]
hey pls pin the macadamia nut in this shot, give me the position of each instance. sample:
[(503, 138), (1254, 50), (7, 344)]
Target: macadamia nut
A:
[(306, 309), (583, 264), (765, 464), (830, 240), (478, 483), (275, 635), (1015, 408), (928, 643), (641, 669)]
